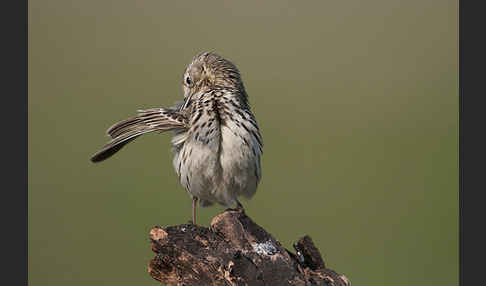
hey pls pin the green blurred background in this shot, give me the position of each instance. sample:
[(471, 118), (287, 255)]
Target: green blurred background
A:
[(358, 106)]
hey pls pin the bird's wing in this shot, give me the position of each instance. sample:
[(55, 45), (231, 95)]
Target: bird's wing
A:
[(148, 120)]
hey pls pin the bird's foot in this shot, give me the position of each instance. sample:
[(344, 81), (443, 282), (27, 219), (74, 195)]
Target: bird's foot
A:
[(239, 208)]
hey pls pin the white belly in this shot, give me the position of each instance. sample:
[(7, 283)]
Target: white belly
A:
[(219, 172)]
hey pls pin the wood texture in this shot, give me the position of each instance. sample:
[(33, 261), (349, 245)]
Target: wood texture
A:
[(234, 250)]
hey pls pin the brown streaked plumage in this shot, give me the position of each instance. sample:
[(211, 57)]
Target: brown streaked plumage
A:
[(217, 143)]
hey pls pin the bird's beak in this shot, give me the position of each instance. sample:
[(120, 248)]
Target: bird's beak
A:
[(187, 100)]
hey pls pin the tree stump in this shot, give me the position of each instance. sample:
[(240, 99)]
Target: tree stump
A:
[(234, 250)]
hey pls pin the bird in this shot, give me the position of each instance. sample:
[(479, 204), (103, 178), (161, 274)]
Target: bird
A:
[(216, 141)]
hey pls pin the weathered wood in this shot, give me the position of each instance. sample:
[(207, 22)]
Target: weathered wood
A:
[(234, 250)]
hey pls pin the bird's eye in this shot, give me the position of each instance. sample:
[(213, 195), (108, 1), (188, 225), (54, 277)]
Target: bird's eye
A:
[(188, 80)]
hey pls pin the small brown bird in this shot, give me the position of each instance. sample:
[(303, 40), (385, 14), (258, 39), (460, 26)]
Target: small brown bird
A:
[(217, 143)]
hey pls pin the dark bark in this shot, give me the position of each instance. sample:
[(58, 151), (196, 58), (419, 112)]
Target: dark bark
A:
[(234, 251)]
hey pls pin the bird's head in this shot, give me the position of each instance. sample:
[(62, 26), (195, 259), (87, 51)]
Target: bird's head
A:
[(209, 71)]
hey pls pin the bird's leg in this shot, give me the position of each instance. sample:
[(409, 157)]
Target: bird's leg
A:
[(239, 207), (194, 206)]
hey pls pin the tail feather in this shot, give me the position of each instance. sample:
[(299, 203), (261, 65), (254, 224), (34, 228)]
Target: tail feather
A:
[(149, 120)]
